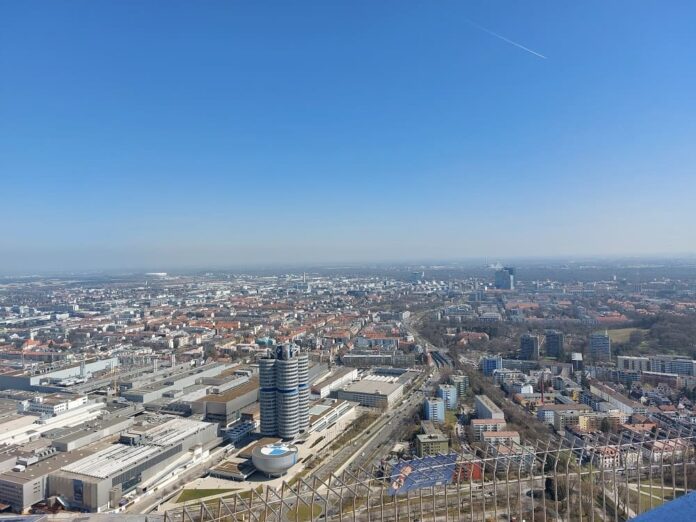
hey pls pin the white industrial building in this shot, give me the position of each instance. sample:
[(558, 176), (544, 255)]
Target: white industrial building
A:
[(98, 481), (339, 378)]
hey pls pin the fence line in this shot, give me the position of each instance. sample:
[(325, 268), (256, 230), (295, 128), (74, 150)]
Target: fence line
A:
[(601, 477)]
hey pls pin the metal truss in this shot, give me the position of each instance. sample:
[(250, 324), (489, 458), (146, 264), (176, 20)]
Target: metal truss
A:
[(599, 478)]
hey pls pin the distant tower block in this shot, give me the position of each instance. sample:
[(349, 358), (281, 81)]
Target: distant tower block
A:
[(600, 346), (555, 342), (529, 347), (505, 278)]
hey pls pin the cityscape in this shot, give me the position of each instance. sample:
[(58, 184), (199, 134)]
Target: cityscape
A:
[(347, 261), (159, 394)]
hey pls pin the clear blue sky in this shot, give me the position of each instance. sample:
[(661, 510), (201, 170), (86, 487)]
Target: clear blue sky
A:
[(147, 134)]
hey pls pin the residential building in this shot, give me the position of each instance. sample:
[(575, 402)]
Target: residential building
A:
[(634, 364), (486, 408), (434, 409), (461, 383), (500, 437), (513, 454), (479, 426), (615, 399), (448, 393), (431, 441), (547, 412), (672, 364)]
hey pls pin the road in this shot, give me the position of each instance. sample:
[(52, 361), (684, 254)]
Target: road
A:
[(372, 447)]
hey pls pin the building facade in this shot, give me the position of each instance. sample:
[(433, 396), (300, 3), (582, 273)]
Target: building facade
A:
[(505, 278), (600, 346), (461, 383), (434, 409), (634, 364), (448, 393), (486, 408), (491, 363), (529, 347), (431, 441), (555, 343), (284, 392)]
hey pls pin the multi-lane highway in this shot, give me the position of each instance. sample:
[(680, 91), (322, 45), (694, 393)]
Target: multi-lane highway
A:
[(375, 443)]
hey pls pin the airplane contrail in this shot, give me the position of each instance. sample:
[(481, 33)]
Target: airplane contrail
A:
[(501, 37)]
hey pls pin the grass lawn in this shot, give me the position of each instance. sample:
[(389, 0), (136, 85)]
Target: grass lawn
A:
[(450, 418), (194, 494), (645, 499), (657, 498), (622, 335), (304, 513)]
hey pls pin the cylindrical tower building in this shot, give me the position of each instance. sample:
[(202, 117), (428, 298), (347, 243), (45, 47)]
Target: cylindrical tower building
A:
[(303, 391), (267, 396), (284, 392), (287, 396)]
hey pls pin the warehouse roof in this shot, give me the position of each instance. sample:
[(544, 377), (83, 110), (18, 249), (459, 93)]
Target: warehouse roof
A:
[(370, 386), (233, 393)]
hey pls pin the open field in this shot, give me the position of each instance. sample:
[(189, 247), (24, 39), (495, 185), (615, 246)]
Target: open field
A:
[(622, 335), (194, 494)]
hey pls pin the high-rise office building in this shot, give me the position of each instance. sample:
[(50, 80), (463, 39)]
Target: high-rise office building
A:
[(600, 346), (284, 392), (529, 347), (505, 278), (417, 277), (555, 341)]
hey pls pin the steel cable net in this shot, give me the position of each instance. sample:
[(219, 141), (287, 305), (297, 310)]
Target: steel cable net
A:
[(601, 477)]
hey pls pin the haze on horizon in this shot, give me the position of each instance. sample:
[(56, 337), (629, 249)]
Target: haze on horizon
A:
[(196, 134)]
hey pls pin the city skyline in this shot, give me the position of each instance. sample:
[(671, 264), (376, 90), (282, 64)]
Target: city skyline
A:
[(217, 135)]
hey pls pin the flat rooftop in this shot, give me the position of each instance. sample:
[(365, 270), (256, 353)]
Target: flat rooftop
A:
[(497, 434), (432, 437), (565, 407), (246, 452), (235, 466), (338, 374), (118, 457), (321, 408), (486, 422), (78, 432), (233, 393), (55, 463), (174, 376), (374, 387), (488, 403)]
